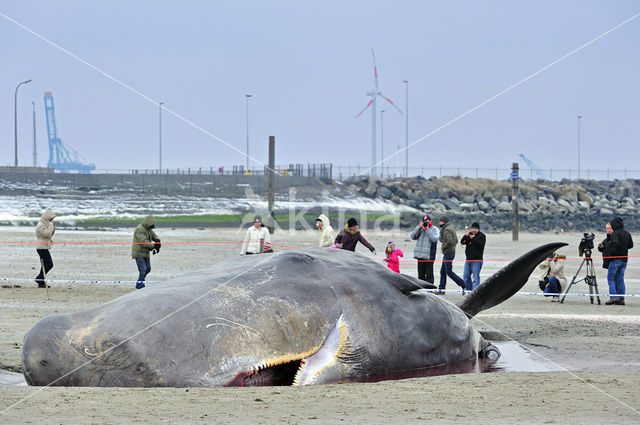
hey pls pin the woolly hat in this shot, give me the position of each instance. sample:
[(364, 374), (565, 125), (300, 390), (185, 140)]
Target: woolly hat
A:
[(425, 218), (445, 219), (352, 222), (475, 225), (392, 245), (257, 219)]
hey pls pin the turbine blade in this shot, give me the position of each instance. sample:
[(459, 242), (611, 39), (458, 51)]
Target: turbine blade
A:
[(375, 69), (365, 108), (391, 102)]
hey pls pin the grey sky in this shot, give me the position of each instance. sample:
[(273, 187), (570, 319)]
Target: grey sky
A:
[(308, 66)]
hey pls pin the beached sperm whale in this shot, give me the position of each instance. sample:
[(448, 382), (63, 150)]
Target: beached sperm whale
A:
[(301, 317)]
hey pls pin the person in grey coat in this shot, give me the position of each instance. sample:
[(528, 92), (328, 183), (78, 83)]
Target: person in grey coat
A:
[(426, 236)]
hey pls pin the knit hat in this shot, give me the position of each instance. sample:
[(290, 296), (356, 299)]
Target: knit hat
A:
[(475, 225), (392, 245), (257, 219), (352, 222), (425, 218), (445, 219)]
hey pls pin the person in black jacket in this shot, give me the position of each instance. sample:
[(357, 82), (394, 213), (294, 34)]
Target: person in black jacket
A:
[(349, 236), (605, 248), (474, 240), (620, 244)]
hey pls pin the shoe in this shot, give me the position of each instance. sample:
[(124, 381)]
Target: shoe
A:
[(620, 301), (42, 285), (139, 286), (612, 301), (542, 285), (439, 292)]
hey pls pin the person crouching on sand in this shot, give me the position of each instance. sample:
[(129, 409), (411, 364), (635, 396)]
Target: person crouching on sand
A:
[(44, 233), (393, 262)]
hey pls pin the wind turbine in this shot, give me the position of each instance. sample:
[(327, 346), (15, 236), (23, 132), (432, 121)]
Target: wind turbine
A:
[(372, 103)]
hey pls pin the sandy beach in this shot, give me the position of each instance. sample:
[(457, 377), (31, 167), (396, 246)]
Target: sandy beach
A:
[(594, 347)]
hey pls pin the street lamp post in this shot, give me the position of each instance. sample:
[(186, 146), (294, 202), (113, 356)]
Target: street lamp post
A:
[(160, 137), (15, 117), (406, 130), (579, 118), (382, 143), (35, 152), (247, 96)]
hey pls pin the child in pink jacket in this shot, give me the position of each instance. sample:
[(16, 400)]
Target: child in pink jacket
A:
[(392, 257)]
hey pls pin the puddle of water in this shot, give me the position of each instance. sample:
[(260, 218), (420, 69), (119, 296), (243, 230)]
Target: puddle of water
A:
[(12, 378), (514, 358)]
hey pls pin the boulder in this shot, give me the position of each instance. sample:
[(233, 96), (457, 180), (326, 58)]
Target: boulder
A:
[(384, 192), (371, 189), (483, 205), (468, 206), (503, 206), (451, 203), (606, 212)]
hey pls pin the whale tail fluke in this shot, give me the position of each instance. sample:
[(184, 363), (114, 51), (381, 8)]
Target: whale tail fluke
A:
[(506, 282)]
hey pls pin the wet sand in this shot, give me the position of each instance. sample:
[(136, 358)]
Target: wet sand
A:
[(598, 344)]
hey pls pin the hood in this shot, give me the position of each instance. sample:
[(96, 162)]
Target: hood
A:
[(47, 216), (324, 219), (617, 223), (148, 221), (348, 230)]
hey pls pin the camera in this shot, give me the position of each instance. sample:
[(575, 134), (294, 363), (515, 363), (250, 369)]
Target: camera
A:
[(586, 243)]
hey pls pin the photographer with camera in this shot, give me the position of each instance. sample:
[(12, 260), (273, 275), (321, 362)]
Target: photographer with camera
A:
[(552, 279), (619, 245), (145, 240), (474, 240), (426, 236)]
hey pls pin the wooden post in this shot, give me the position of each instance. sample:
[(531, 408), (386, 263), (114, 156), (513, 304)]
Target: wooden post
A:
[(272, 183), (514, 201), (44, 279), (261, 245)]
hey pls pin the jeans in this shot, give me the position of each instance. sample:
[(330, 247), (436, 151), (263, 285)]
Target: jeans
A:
[(615, 277), (553, 287), (447, 270), (471, 275), (144, 267), (45, 256), (425, 270)]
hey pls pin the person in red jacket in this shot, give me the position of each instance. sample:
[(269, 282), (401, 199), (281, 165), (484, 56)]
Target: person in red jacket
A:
[(393, 262)]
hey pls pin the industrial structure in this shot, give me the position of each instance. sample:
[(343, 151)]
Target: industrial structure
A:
[(372, 103), (62, 158)]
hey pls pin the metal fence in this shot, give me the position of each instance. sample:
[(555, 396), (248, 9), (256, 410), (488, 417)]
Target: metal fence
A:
[(341, 172)]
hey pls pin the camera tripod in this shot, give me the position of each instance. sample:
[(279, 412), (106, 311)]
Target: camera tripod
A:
[(589, 279)]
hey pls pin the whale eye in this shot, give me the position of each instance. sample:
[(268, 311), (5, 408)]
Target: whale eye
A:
[(44, 363)]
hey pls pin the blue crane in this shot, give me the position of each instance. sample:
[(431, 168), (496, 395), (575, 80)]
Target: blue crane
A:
[(61, 157), (534, 167)]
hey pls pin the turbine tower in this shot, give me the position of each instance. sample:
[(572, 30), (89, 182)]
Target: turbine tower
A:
[(372, 103)]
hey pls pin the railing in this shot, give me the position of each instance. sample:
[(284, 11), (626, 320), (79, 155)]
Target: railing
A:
[(341, 172)]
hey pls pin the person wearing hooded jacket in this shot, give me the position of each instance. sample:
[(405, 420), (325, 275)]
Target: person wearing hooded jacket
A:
[(426, 236), (619, 244), (349, 236), (44, 234), (145, 240), (328, 234), (448, 242)]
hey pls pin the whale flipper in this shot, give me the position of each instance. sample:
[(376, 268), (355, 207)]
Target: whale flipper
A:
[(507, 281)]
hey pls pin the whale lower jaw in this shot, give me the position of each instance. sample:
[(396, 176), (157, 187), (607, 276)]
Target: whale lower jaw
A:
[(297, 369)]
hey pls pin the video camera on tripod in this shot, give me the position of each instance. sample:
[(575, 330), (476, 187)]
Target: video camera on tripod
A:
[(586, 244), (584, 249)]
